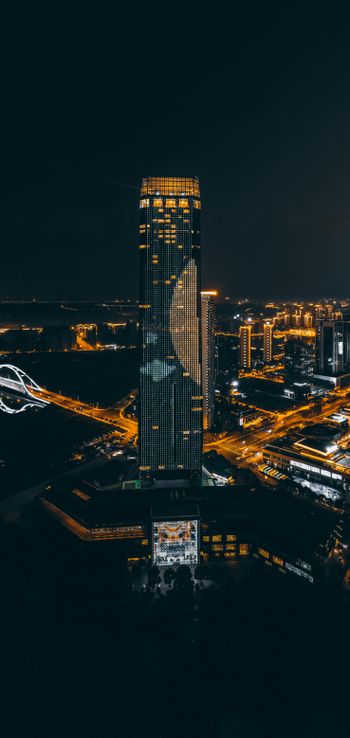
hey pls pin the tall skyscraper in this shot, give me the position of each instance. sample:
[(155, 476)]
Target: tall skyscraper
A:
[(308, 320), (208, 357), (171, 399), (298, 361), (268, 342), (245, 346), (332, 347)]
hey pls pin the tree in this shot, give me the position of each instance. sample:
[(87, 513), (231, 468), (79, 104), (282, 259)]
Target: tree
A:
[(153, 576), (183, 580), (169, 575), (183, 573), (199, 572)]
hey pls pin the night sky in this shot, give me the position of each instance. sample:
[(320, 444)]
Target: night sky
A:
[(256, 104)]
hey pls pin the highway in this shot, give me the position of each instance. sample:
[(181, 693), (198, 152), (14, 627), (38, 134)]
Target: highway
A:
[(245, 449), (114, 416), (242, 449)]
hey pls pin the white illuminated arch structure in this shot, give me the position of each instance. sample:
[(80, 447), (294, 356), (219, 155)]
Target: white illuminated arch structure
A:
[(23, 383), (15, 410)]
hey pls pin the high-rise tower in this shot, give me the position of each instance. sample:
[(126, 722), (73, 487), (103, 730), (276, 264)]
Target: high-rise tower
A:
[(208, 357), (170, 421), (245, 346), (268, 342), (332, 347)]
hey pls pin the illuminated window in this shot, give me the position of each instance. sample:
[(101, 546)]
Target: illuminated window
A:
[(243, 549), (157, 202), (180, 186), (231, 537), (183, 203), (206, 539), (263, 553), (231, 547), (170, 203), (217, 547), (217, 538), (197, 204), (81, 494), (144, 203), (144, 542), (277, 560)]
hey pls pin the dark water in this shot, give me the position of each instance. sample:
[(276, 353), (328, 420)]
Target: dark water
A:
[(36, 444), (96, 376)]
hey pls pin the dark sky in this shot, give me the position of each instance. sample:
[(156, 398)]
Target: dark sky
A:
[(256, 103)]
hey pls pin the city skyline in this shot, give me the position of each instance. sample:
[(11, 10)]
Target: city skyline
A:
[(175, 371)]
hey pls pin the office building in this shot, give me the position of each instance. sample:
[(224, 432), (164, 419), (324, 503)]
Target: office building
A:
[(308, 320), (208, 357), (210, 526), (268, 342), (171, 400), (245, 346), (298, 360), (332, 347)]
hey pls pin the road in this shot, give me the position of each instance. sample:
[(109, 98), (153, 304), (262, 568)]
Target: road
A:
[(114, 416), (245, 450)]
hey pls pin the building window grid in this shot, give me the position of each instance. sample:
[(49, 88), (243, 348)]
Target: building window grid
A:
[(189, 453)]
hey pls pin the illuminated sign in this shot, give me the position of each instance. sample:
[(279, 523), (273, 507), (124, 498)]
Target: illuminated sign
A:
[(299, 572), (175, 542), (314, 469), (303, 564)]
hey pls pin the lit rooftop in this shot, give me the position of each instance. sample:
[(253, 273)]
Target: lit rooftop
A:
[(170, 186)]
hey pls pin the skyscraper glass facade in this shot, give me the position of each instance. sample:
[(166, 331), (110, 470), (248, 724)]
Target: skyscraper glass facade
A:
[(208, 357), (332, 347), (245, 346), (170, 420)]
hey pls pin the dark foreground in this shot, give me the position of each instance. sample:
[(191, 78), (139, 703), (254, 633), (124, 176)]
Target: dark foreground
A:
[(85, 655)]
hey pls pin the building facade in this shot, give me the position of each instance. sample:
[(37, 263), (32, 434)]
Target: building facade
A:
[(298, 360), (245, 346), (268, 343), (171, 399), (208, 357), (332, 347)]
